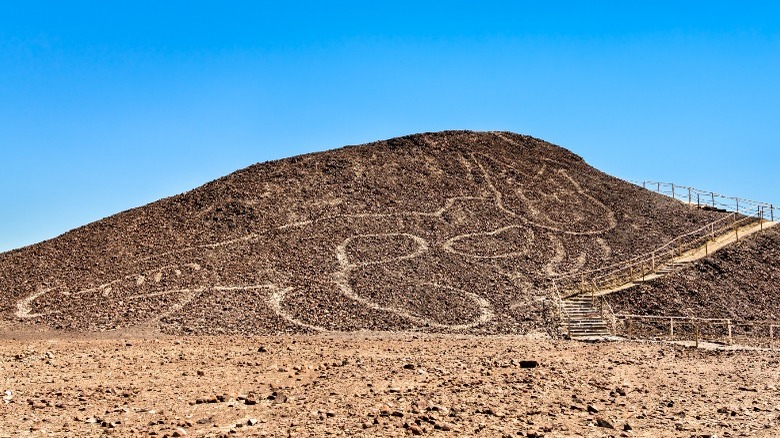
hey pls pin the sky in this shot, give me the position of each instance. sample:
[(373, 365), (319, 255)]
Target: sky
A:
[(106, 106)]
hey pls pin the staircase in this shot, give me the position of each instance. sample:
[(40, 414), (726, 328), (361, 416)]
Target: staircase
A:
[(581, 313), (582, 319)]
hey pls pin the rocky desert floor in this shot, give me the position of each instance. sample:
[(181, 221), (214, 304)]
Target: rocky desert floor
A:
[(373, 384)]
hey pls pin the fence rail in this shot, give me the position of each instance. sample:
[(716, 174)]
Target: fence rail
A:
[(708, 199), (725, 331)]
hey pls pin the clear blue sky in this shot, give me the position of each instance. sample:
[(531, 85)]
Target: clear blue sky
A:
[(106, 106)]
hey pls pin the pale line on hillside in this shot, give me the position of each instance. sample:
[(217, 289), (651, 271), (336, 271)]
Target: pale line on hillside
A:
[(450, 242), (275, 302), (341, 279), (341, 250), (24, 306)]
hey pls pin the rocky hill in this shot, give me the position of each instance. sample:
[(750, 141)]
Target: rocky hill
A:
[(448, 232)]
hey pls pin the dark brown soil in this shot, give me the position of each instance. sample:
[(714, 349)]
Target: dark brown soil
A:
[(441, 232)]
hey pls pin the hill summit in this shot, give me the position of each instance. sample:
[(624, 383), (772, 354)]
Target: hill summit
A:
[(454, 231)]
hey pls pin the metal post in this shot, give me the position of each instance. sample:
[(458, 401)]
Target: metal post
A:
[(761, 217), (592, 297), (698, 200), (671, 327), (659, 187), (737, 199), (772, 212), (673, 191), (707, 248), (630, 328), (697, 334), (644, 185), (689, 196), (713, 199), (731, 340)]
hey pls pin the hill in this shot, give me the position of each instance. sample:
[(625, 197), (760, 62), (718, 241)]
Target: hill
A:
[(455, 231)]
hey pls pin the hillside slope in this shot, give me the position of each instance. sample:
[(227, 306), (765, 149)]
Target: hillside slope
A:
[(451, 231)]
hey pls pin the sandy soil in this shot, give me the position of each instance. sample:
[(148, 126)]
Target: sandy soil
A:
[(379, 385)]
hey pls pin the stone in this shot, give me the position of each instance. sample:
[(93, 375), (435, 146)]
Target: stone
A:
[(601, 422)]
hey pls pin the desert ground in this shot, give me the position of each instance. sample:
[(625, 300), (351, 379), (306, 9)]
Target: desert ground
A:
[(379, 384)]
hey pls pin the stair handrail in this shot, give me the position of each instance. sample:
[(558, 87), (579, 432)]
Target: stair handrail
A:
[(624, 271), (645, 255), (666, 253)]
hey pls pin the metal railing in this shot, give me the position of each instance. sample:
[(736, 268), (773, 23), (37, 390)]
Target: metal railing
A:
[(711, 200), (640, 266), (726, 331), (742, 213)]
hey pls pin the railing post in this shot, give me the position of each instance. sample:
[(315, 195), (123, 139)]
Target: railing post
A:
[(713, 199), (731, 340), (737, 199), (659, 187), (698, 201), (644, 185), (673, 191), (772, 212), (630, 328), (593, 297), (697, 333), (671, 327), (761, 217), (707, 248), (689, 196)]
